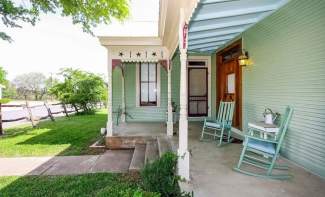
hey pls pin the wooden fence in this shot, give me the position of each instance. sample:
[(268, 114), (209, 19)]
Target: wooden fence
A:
[(32, 117)]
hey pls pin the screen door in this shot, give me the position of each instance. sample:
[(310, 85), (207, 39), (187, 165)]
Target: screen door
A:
[(197, 92)]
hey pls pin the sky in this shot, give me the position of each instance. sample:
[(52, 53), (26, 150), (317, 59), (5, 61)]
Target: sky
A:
[(54, 42)]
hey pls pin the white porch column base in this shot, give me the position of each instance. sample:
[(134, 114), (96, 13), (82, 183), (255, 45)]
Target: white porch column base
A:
[(170, 128), (184, 164), (109, 129)]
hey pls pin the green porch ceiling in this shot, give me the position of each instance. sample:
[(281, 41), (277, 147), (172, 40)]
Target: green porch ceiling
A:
[(216, 22), (288, 51)]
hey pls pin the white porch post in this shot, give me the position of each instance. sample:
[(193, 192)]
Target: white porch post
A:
[(170, 107), (123, 96), (183, 154), (109, 125)]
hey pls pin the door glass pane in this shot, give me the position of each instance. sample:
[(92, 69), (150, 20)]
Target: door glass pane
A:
[(202, 107), (196, 63), (144, 92), (198, 82), (193, 107), (231, 83), (152, 72), (144, 72), (152, 92)]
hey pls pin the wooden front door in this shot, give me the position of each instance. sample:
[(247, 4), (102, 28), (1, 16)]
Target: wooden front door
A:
[(229, 80)]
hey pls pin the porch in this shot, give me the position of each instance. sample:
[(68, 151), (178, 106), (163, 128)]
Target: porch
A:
[(277, 72), (211, 167)]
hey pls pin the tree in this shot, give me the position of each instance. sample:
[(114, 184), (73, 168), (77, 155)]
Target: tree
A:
[(3, 76), (87, 13), (10, 91), (79, 88), (31, 83)]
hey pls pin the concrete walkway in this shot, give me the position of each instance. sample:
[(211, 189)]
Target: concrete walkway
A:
[(110, 161)]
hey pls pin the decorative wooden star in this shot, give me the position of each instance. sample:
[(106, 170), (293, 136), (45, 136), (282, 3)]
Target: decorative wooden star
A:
[(154, 54), (120, 54), (138, 54)]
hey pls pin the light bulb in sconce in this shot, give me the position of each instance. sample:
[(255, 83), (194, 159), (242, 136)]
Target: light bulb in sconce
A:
[(244, 60)]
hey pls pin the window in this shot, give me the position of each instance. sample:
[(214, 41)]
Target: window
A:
[(148, 84), (196, 63)]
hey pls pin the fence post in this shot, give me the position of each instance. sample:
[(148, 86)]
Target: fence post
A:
[(1, 129), (29, 110), (49, 111), (75, 108), (65, 110)]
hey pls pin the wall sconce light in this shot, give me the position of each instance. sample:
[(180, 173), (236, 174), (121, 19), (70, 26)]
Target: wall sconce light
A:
[(244, 59)]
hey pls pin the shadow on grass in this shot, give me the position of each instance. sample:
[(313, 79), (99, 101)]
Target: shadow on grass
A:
[(99, 184), (78, 131), (70, 136)]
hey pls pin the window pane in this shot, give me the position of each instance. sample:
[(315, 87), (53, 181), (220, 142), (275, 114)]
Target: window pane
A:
[(144, 92), (231, 83), (144, 72), (196, 63), (152, 72), (197, 82), (152, 92)]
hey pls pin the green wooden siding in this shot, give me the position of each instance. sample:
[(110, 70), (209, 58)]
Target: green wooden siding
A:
[(175, 79), (116, 92), (153, 114), (288, 50), (139, 114)]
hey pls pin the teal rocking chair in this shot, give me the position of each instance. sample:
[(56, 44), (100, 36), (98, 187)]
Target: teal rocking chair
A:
[(262, 153), (221, 127)]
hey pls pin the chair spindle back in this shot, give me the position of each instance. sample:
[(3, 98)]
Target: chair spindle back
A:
[(226, 112)]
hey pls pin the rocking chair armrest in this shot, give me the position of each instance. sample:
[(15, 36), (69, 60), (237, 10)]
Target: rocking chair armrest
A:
[(260, 139), (210, 120)]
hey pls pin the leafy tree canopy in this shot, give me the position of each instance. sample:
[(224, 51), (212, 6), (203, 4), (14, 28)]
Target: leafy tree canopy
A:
[(33, 82), (3, 76), (80, 88), (86, 13)]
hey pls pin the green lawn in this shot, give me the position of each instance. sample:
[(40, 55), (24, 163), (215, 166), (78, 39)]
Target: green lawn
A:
[(100, 184), (65, 136)]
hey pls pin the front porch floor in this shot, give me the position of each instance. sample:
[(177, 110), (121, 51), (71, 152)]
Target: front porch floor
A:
[(211, 168), (140, 129), (212, 174)]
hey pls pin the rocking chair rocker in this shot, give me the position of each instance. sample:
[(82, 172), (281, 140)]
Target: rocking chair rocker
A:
[(221, 127), (263, 153)]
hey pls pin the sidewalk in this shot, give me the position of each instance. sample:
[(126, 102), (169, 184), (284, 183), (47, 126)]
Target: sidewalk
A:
[(110, 161)]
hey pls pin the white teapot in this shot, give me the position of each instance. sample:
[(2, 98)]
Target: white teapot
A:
[(269, 116)]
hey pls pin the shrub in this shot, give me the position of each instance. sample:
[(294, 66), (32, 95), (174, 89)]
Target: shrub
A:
[(80, 89), (160, 176), (138, 193)]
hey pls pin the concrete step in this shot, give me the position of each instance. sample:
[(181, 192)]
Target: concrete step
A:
[(164, 145), (137, 161), (126, 142), (152, 152)]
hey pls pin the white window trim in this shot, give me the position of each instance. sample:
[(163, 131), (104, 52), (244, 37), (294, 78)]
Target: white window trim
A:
[(137, 82), (207, 59)]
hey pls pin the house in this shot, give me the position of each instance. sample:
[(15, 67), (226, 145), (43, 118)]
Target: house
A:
[(194, 63)]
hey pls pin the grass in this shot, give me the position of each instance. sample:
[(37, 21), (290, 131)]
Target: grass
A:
[(99, 184), (65, 136)]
